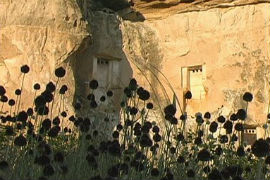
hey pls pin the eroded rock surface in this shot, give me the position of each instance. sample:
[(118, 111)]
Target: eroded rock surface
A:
[(160, 9), (44, 34), (153, 41), (231, 43)]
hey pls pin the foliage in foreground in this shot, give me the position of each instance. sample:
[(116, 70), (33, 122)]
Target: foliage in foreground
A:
[(35, 145)]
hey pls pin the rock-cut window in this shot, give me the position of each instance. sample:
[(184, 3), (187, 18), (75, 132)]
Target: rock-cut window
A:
[(250, 135), (192, 79), (106, 72)]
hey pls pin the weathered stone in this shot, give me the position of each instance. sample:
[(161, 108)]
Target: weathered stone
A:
[(228, 40), (160, 9), (44, 35), (231, 43)]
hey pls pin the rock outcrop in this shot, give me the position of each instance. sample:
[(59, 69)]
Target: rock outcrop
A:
[(160, 9), (44, 34), (157, 42), (232, 43)]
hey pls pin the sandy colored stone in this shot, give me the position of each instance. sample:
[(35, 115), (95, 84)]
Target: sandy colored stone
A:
[(230, 39), (44, 35), (232, 43), (160, 9)]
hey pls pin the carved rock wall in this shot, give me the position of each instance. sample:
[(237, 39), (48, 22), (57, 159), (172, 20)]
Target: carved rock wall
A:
[(231, 40), (232, 43)]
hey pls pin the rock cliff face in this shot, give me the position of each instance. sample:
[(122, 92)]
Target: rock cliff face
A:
[(156, 9), (43, 34), (230, 43), (159, 43)]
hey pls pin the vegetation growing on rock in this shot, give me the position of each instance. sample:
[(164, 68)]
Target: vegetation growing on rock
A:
[(37, 145)]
